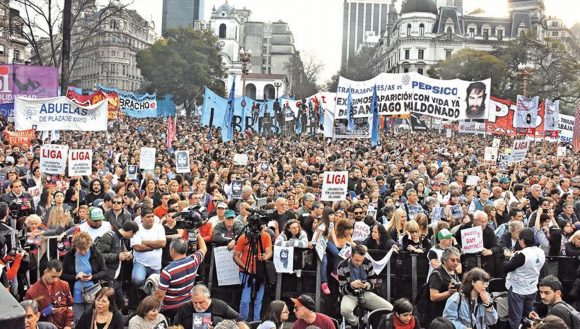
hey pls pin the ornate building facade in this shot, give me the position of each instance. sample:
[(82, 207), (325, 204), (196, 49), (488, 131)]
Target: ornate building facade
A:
[(12, 42)]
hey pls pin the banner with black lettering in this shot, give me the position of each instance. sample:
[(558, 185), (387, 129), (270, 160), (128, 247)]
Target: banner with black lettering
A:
[(59, 113), (403, 93), (334, 186), (80, 162), (135, 105), (53, 159)]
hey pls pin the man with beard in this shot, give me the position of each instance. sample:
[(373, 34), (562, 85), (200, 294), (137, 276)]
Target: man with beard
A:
[(96, 191), (282, 214), (475, 100)]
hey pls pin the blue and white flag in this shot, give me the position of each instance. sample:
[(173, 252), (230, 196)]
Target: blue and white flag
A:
[(227, 124), (349, 112), (375, 112)]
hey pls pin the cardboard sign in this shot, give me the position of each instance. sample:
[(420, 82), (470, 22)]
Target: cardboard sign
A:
[(147, 158), (80, 162), (320, 247), (334, 186), (131, 172), (346, 251), (361, 231), (490, 154), (227, 271), (182, 162), (496, 143), (520, 150), (284, 259), (265, 166), (472, 240), (561, 151), (448, 133), (472, 180), (237, 189), (241, 159), (53, 159)]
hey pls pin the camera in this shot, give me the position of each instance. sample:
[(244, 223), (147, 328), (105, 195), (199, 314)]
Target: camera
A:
[(257, 219), (455, 285), (528, 323), (191, 218), (20, 208)]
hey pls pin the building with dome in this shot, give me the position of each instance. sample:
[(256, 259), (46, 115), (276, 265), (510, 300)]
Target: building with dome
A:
[(424, 34), (271, 45)]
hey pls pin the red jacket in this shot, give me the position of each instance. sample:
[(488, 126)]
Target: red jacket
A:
[(59, 296)]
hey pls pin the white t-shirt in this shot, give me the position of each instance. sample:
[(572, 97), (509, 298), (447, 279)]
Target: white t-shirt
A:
[(96, 232), (151, 258)]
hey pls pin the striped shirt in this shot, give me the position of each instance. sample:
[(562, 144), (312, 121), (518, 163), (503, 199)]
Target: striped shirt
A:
[(177, 279)]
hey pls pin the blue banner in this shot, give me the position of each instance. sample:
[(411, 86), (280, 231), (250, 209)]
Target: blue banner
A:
[(135, 105), (7, 111)]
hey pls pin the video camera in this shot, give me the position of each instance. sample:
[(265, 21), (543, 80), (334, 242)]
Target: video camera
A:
[(257, 219), (20, 207), (529, 323), (191, 218)]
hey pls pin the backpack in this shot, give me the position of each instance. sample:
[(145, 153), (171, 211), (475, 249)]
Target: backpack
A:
[(574, 314), (423, 301)]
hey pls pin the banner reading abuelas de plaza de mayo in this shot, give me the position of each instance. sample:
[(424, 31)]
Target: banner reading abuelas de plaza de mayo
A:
[(403, 93), (59, 113)]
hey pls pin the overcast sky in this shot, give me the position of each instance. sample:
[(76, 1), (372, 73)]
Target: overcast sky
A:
[(317, 24)]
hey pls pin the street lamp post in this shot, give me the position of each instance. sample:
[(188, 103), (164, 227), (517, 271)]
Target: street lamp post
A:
[(526, 72), (246, 58), (277, 84)]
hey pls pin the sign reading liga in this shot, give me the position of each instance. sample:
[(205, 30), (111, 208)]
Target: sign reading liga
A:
[(59, 113), (80, 162), (403, 93), (334, 186), (53, 159)]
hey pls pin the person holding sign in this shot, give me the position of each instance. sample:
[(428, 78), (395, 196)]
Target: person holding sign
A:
[(523, 272), (490, 243)]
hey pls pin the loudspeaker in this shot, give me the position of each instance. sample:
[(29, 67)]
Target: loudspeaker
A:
[(12, 315)]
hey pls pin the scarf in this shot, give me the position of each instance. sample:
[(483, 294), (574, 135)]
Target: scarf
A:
[(400, 325)]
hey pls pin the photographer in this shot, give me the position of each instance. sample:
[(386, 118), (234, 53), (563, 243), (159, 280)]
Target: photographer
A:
[(9, 264), (19, 200), (551, 295), (253, 246), (523, 271), (444, 281), (225, 231), (356, 279)]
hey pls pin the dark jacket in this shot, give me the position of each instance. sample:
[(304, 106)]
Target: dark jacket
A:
[(85, 320), (98, 268), (110, 245), (489, 239), (117, 221)]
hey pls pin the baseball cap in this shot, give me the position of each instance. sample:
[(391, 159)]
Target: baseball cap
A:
[(444, 234), (222, 205), (304, 300), (504, 180), (96, 213), (230, 214)]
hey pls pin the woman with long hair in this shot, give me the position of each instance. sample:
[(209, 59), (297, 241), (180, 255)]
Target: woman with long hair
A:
[(292, 235), (491, 212), (413, 241), (379, 238), (321, 236), (396, 226), (275, 315), (472, 306), (59, 223), (103, 313)]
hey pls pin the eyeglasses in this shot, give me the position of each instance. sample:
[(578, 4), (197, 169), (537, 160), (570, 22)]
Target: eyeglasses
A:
[(117, 202), (358, 212), (484, 282)]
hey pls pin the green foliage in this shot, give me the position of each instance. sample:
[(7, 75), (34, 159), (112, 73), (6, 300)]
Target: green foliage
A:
[(182, 63), (303, 76)]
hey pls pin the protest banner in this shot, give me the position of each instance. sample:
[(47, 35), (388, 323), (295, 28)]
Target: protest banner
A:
[(334, 186), (147, 158), (53, 159), (182, 165), (80, 162), (496, 143), (241, 159), (35, 193), (561, 151), (132, 172), (472, 180), (519, 150), (114, 111), (551, 117), (346, 251), (284, 259), (361, 231), (59, 113), (237, 189), (471, 127), (30, 81), (526, 112), (134, 105), (472, 240), (490, 154), (227, 271), (21, 138)]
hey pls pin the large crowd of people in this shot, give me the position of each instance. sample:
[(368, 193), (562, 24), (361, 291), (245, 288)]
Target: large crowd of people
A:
[(110, 250)]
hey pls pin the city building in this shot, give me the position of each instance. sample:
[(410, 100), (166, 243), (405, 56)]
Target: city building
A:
[(362, 21), (12, 42), (108, 56), (271, 45), (458, 4), (557, 30), (181, 13), (424, 34)]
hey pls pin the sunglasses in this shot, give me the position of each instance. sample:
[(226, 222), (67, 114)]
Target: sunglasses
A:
[(117, 202)]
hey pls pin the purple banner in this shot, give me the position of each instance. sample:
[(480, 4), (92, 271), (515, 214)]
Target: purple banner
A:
[(27, 80)]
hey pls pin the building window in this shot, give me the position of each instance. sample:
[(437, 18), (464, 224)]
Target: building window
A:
[(449, 32), (421, 53), (471, 32), (448, 53), (499, 35), (222, 31), (407, 53), (554, 34), (16, 55), (420, 71), (405, 70), (113, 53), (486, 34), (408, 29), (421, 29)]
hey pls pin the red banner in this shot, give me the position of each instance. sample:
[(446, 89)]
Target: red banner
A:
[(20, 138), (96, 97), (501, 119)]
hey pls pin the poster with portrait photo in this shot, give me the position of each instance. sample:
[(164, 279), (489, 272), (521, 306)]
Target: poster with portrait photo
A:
[(237, 186), (182, 165), (526, 112), (131, 172), (201, 321), (284, 259)]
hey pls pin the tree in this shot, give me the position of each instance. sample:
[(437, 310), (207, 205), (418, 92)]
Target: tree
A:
[(471, 65), (183, 63), (303, 76), (360, 67)]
